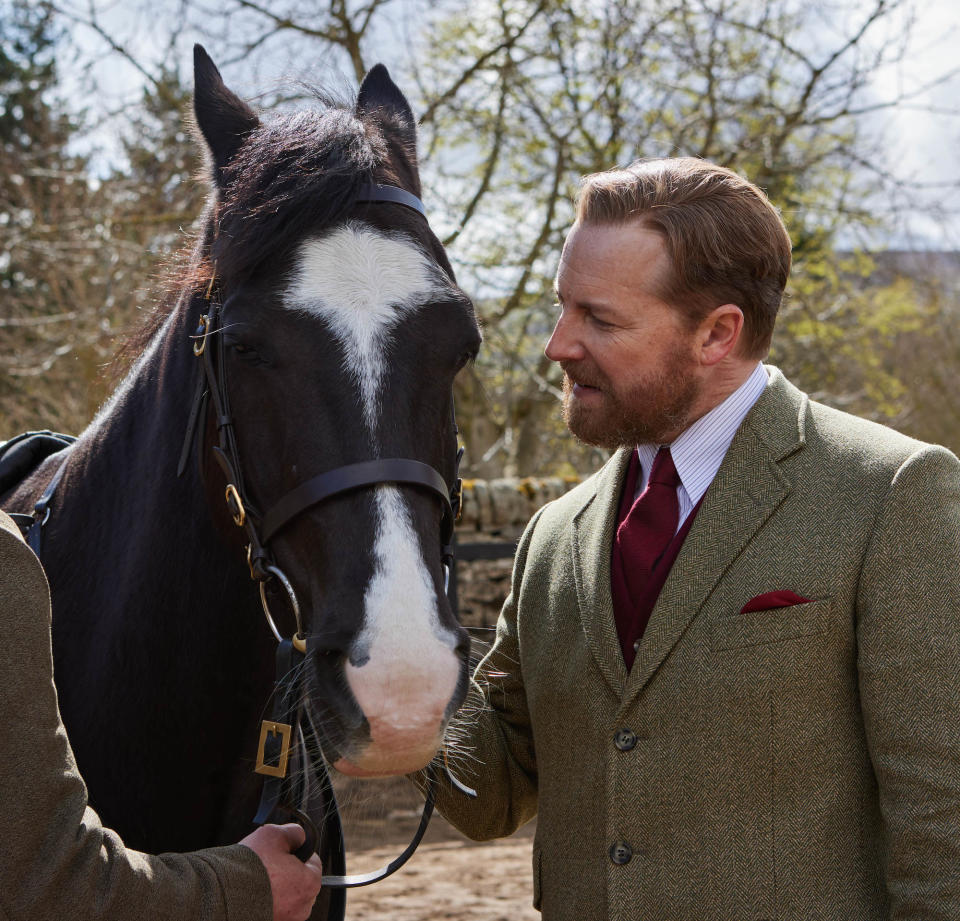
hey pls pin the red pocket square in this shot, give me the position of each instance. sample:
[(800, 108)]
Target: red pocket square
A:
[(781, 599)]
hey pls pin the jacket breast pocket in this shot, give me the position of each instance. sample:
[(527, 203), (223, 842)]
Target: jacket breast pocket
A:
[(774, 625)]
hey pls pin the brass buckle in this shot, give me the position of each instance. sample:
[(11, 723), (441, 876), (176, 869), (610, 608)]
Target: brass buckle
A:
[(270, 728), (235, 504), (198, 347)]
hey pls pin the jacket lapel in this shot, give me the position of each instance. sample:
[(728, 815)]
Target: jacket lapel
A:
[(593, 527), (746, 491)]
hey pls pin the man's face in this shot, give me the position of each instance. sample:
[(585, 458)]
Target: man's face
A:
[(630, 372)]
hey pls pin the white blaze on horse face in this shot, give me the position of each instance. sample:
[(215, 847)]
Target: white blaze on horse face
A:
[(363, 282), (410, 670)]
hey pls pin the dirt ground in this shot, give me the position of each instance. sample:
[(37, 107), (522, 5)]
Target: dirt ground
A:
[(453, 879), (449, 877)]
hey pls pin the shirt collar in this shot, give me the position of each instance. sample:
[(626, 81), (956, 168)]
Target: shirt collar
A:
[(698, 452)]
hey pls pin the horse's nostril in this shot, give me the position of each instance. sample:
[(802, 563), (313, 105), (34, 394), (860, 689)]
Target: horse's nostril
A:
[(332, 645)]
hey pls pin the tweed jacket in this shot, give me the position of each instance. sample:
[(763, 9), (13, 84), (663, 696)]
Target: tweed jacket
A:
[(792, 764), (57, 861)]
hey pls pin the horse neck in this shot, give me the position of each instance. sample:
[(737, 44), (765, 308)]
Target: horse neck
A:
[(156, 626), (125, 525)]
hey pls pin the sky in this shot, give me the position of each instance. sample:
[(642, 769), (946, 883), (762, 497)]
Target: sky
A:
[(923, 138)]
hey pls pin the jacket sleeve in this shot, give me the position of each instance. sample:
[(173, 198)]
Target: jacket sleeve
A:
[(490, 742), (57, 860), (908, 640)]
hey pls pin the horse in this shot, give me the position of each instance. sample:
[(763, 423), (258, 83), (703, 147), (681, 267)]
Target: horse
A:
[(341, 331)]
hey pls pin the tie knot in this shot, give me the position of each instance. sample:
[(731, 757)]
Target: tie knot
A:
[(663, 472)]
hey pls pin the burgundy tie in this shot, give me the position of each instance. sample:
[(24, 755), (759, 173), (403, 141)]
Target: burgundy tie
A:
[(647, 530)]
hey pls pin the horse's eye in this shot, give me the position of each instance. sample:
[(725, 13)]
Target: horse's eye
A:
[(245, 352)]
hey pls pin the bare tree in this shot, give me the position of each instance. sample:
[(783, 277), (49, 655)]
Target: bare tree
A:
[(520, 98)]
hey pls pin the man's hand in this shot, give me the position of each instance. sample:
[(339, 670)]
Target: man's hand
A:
[(294, 884)]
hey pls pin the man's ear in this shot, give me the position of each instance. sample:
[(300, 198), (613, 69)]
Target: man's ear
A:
[(719, 333), (223, 118)]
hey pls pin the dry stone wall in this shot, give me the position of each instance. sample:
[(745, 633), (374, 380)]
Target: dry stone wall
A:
[(495, 512), (490, 505)]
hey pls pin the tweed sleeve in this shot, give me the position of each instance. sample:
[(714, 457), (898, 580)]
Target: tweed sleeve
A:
[(491, 741), (57, 860), (908, 637)]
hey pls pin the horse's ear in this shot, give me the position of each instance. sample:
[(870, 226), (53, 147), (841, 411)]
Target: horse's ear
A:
[(223, 118), (379, 94)]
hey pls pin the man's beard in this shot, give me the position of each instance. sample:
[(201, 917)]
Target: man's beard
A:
[(654, 411)]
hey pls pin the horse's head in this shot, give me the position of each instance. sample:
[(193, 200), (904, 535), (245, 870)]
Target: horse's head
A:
[(343, 329)]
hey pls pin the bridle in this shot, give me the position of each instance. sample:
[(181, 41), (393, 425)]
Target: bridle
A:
[(290, 725), (260, 528)]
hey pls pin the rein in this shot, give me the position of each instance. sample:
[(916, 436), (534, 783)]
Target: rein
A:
[(284, 737)]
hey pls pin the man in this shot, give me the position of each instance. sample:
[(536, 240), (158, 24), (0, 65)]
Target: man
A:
[(57, 860), (733, 693)]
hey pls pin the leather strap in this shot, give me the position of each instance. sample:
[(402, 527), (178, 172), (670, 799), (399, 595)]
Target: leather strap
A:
[(199, 403), (22, 521), (332, 881), (374, 192), (278, 795), (285, 702), (41, 511), (355, 476)]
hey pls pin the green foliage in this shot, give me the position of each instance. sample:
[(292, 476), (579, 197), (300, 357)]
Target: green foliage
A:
[(570, 87), (878, 342)]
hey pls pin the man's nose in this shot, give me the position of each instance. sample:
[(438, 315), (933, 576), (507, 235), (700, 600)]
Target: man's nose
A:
[(564, 344)]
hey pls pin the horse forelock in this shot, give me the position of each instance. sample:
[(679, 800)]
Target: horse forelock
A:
[(291, 177), (294, 176)]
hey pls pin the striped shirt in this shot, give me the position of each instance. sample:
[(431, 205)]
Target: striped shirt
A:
[(699, 451)]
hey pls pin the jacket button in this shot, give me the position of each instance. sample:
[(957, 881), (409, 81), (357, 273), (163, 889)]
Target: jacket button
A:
[(624, 739), (620, 853)]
